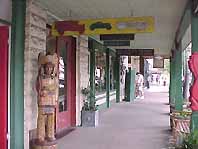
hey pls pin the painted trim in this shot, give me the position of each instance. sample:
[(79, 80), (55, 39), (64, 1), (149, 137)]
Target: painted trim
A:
[(103, 105), (4, 85), (97, 45), (103, 99), (93, 38), (73, 81), (143, 24), (101, 47), (103, 95), (9, 70)]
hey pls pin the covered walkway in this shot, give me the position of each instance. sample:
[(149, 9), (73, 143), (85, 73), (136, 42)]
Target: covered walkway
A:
[(89, 37), (140, 125)]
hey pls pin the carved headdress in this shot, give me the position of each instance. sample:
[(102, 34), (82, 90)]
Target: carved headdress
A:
[(44, 59), (48, 59)]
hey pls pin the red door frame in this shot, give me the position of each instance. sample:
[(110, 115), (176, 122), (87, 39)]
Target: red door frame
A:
[(68, 118), (4, 36), (72, 83)]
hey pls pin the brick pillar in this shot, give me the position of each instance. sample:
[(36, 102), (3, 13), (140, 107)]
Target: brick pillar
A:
[(35, 42)]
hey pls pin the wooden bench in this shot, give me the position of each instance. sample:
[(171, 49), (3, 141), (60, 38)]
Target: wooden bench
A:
[(181, 127), (174, 114)]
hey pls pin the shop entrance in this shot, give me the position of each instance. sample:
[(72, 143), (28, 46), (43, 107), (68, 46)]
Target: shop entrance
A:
[(4, 35), (66, 111)]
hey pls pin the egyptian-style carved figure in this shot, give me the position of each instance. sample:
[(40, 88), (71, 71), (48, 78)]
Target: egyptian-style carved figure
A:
[(47, 88), (193, 64)]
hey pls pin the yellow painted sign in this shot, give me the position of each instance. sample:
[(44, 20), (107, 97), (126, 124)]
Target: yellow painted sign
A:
[(104, 26)]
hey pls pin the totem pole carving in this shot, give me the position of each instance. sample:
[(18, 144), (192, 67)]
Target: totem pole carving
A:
[(193, 64), (47, 89)]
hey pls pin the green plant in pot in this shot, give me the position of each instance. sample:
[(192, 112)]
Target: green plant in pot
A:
[(89, 113), (190, 141), (88, 104), (183, 114)]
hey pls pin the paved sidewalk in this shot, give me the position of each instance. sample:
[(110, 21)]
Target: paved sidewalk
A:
[(143, 124)]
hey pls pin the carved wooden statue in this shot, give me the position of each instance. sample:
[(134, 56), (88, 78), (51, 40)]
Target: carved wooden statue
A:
[(193, 64), (47, 88)]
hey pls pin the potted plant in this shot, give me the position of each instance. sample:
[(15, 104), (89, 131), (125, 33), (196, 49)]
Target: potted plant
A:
[(89, 113), (190, 141)]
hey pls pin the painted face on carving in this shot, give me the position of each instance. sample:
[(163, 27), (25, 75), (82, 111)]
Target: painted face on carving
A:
[(190, 63), (48, 68)]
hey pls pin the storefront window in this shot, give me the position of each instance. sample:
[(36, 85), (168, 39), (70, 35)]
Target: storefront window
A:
[(100, 75), (112, 74)]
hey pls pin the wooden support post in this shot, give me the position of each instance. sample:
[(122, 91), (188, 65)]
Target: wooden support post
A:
[(171, 82), (107, 78), (17, 75), (92, 76), (117, 63), (178, 81), (142, 65)]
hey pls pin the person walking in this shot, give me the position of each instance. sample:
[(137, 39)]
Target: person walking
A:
[(148, 82), (139, 86)]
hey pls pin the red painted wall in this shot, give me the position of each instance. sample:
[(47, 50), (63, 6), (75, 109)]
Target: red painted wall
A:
[(4, 33)]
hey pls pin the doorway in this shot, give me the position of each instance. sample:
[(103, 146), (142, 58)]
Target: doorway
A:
[(66, 110), (4, 36)]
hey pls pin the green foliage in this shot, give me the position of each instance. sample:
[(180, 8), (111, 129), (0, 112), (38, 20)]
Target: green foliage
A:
[(85, 91), (183, 114), (88, 105), (190, 141)]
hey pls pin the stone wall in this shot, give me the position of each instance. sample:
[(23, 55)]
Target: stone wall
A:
[(82, 75), (35, 42)]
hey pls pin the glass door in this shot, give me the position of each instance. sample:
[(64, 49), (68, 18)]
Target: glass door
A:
[(66, 115)]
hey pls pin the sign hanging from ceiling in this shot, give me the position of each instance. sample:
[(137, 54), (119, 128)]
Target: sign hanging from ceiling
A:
[(104, 26), (109, 37)]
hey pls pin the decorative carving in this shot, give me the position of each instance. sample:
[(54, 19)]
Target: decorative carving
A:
[(134, 25), (30, 69), (73, 26), (193, 65), (47, 88)]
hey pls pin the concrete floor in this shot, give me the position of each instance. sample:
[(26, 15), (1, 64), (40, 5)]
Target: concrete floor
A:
[(143, 124)]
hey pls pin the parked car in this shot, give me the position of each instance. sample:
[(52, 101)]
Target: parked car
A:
[(74, 26), (100, 25)]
